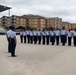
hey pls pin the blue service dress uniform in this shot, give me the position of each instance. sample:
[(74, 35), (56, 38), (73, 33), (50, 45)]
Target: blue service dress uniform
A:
[(12, 39), (57, 34), (8, 39)]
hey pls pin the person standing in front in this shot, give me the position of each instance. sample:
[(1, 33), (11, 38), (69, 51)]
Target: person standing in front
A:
[(13, 41), (8, 39), (57, 35), (35, 36), (63, 33), (52, 34)]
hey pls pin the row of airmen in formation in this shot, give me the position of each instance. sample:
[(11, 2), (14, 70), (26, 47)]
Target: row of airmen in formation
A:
[(45, 36)]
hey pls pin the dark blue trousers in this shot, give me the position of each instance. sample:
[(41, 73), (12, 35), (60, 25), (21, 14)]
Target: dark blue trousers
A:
[(9, 45), (13, 46), (69, 41), (74, 38), (21, 38), (57, 40), (53, 39), (63, 40), (47, 39), (43, 37), (39, 39)]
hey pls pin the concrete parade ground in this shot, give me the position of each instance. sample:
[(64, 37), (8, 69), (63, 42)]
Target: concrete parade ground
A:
[(37, 59)]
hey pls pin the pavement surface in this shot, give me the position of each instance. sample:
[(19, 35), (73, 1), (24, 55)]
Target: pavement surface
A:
[(37, 59)]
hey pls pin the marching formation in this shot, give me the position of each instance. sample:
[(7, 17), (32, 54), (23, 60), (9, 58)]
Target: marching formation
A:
[(46, 36), (40, 37)]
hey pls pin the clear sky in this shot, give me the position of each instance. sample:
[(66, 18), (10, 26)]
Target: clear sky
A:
[(65, 9)]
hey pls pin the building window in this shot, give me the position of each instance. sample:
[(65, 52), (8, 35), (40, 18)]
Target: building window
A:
[(12, 22), (3, 23)]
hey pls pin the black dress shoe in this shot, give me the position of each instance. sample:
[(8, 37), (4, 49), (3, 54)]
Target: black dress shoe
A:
[(14, 56)]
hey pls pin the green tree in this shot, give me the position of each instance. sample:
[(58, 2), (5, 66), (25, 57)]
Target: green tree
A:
[(50, 28)]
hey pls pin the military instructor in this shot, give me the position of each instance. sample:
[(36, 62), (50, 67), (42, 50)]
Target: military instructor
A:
[(12, 41)]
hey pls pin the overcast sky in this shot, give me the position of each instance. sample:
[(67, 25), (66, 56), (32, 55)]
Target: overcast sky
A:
[(65, 9)]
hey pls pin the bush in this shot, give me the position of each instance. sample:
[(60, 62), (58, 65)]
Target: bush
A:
[(29, 28), (50, 28), (5, 27)]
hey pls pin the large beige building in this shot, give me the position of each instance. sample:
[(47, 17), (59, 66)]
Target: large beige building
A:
[(54, 22), (36, 21), (68, 25), (13, 20), (17, 21), (73, 25)]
